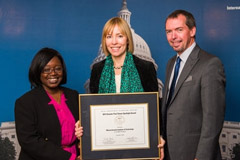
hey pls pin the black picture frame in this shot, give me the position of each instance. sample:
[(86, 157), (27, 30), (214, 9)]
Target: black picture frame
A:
[(151, 98)]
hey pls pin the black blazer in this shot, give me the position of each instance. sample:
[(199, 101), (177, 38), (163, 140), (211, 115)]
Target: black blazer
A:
[(37, 125), (145, 69)]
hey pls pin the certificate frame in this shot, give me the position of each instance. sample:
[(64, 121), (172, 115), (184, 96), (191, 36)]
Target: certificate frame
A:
[(142, 107)]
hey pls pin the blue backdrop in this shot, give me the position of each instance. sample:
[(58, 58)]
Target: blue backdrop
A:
[(74, 28)]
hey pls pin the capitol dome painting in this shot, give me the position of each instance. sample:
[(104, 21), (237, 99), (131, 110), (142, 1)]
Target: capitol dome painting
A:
[(141, 48)]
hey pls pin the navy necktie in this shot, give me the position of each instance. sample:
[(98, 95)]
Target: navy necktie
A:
[(176, 70)]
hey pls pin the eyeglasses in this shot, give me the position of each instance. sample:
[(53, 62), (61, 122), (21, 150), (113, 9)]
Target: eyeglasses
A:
[(57, 69)]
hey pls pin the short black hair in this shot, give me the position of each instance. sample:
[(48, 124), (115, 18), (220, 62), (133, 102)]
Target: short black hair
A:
[(190, 20), (40, 60)]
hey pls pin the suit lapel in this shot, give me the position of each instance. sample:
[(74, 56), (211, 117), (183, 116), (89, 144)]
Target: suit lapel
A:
[(169, 70), (191, 61), (69, 102), (168, 75)]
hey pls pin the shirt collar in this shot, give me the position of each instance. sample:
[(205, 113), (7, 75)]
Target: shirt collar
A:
[(184, 56)]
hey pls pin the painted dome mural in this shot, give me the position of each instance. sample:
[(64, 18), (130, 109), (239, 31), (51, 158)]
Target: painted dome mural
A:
[(141, 48)]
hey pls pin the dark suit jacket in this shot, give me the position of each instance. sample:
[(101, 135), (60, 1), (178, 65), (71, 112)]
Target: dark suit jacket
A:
[(195, 114), (145, 69), (37, 125)]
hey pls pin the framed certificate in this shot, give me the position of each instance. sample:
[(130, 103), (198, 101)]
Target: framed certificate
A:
[(119, 126)]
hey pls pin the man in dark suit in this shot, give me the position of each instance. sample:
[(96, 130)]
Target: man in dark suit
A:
[(193, 108)]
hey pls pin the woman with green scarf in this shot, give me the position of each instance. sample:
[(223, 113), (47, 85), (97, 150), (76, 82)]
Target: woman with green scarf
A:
[(121, 71)]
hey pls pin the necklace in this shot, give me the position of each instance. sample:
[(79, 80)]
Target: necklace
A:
[(117, 67)]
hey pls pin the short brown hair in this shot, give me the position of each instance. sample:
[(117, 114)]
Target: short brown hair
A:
[(190, 20)]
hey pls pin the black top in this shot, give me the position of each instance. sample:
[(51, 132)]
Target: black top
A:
[(145, 70)]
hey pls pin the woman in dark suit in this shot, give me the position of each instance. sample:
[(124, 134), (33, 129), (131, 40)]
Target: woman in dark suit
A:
[(121, 71), (45, 116)]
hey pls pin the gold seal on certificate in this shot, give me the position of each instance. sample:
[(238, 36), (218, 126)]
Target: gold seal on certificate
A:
[(119, 120), (119, 126)]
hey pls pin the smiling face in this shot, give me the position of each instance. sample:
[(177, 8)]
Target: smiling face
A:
[(179, 36), (116, 42), (52, 74)]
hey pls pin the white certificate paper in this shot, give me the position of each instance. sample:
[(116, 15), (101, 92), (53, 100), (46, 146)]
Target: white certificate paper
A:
[(118, 127)]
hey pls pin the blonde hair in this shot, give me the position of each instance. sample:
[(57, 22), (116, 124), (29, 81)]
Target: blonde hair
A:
[(124, 29)]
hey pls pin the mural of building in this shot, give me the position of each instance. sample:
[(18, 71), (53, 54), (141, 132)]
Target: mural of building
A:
[(141, 48), (229, 137), (7, 129)]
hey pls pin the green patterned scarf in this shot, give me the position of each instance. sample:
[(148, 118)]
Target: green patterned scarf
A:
[(130, 80)]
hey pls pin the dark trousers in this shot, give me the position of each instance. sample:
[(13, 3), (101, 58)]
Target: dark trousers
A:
[(166, 152)]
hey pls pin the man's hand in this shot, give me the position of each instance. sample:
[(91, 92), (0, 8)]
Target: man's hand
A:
[(161, 147)]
